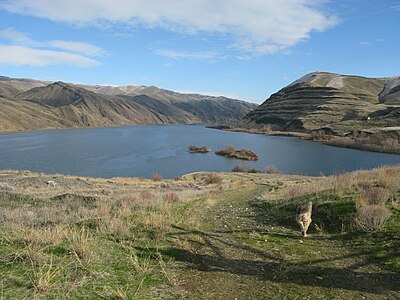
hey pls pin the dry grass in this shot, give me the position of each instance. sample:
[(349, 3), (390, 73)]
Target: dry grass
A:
[(115, 227), (141, 266), (375, 184), (82, 224), (43, 276), (81, 243), (380, 142), (101, 215)]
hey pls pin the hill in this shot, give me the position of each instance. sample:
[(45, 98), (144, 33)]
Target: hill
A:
[(336, 104), (27, 104)]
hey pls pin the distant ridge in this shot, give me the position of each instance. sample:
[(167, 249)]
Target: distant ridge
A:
[(27, 104)]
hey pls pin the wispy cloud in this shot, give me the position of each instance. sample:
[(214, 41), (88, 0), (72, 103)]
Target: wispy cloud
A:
[(235, 73), (396, 7), (365, 43), (255, 27), (77, 47), (41, 53), (20, 55), (17, 37), (196, 55)]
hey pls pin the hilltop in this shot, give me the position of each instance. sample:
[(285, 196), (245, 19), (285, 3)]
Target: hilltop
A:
[(27, 104)]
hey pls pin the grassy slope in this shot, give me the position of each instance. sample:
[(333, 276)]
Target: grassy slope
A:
[(132, 238)]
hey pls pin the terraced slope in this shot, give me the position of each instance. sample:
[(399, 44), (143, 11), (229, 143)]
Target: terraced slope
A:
[(335, 103)]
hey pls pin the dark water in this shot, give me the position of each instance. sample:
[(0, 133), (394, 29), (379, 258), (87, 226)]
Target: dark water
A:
[(144, 150)]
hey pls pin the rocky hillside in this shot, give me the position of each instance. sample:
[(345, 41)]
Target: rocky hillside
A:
[(335, 103), (28, 104)]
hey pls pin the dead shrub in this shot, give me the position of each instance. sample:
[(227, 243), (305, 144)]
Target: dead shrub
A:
[(271, 169), (238, 169), (375, 196), (146, 195), (363, 184), (129, 199), (371, 218), (212, 179), (171, 197), (102, 211), (229, 149), (156, 177)]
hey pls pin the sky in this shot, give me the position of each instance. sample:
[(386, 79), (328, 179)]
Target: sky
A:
[(243, 49)]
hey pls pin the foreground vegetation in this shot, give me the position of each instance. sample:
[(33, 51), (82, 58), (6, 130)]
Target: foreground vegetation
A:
[(205, 235)]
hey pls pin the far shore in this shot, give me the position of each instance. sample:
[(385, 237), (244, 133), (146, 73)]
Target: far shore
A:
[(95, 127), (333, 140)]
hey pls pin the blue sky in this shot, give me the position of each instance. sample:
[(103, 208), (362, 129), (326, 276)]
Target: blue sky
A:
[(246, 49)]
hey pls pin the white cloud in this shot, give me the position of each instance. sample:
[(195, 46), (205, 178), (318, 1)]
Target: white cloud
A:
[(365, 43), (20, 38), (26, 51), (77, 47), (256, 26), (21, 55), (196, 55), (168, 65)]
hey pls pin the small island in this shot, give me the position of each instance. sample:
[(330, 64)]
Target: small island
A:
[(194, 149), (243, 154)]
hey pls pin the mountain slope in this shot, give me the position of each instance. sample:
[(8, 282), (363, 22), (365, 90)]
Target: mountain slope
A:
[(60, 105), (332, 102), (208, 109)]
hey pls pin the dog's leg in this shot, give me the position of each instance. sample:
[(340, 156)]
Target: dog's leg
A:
[(301, 226), (306, 225)]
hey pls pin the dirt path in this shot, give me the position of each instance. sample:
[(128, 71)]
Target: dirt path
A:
[(235, 252)]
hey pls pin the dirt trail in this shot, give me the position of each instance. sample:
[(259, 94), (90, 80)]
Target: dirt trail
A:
[(235, 252)]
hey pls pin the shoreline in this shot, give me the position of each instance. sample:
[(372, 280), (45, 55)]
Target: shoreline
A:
[(308, 137), (95, 127)]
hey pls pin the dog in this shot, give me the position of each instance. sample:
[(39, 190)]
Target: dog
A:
[(303, 217)]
